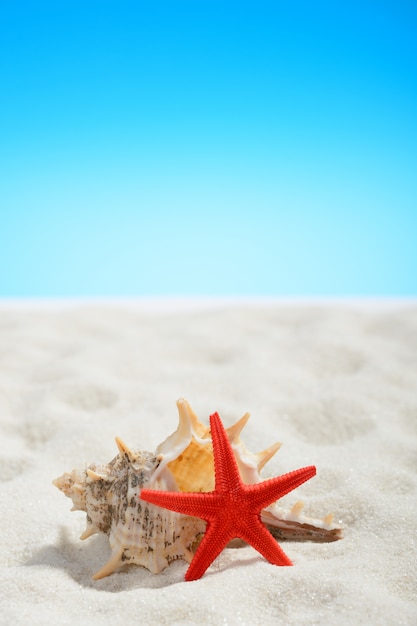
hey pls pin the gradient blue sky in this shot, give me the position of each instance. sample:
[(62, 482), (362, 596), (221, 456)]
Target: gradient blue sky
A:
[(197, 147)]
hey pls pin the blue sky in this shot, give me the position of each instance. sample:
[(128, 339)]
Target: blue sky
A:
[(199, 147)]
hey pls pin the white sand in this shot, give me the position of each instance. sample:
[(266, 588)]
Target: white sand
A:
[(336, 384)]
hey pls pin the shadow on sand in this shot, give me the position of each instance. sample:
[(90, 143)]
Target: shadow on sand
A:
[(81, 559)]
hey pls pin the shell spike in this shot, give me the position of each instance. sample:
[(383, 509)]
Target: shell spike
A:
[(89, 531), (94, 475), (124, 449), (111, 566), (188, 420), (297, 508), (234, 431), (266, 455), (328, 519)]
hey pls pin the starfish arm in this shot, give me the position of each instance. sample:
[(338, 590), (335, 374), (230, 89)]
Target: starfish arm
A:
[(203, 505), (227, 475), (261, 539), (215, 539), (233, 508), (263, 494)]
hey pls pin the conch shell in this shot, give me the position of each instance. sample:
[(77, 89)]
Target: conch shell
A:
[(144, 534)]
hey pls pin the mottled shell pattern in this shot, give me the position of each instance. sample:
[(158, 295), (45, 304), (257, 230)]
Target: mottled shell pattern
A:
[(144, 534)]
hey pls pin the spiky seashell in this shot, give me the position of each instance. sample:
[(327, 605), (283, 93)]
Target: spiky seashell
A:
[(144, 534)]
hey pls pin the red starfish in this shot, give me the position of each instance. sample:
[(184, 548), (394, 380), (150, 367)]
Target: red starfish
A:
[(233, 509)]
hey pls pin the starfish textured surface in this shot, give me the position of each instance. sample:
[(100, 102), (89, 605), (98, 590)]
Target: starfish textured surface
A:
[(233, 509)]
